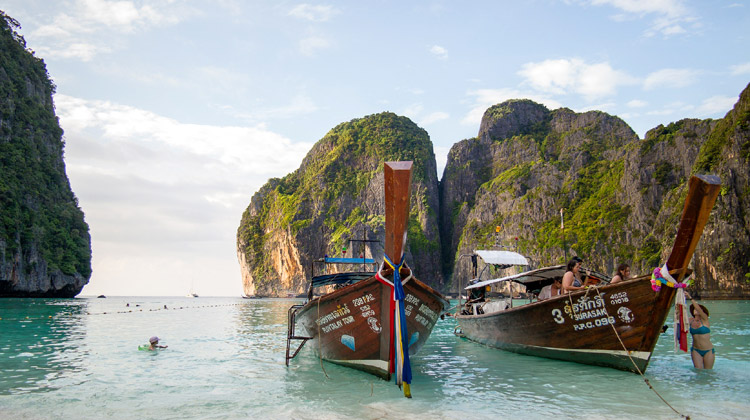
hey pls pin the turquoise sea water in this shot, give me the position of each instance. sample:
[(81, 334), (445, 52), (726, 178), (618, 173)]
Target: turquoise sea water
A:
[(225, 360)]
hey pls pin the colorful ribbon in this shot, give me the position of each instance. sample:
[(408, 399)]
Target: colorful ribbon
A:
[(660, 277), (399, 331)]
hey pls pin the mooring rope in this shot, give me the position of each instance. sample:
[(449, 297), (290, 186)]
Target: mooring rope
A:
[(631, 358), (320, 346), (164, 308)]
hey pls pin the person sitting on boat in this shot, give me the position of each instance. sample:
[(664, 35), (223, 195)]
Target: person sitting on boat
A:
[(702, 351), (476, 298), (571, 281), (551, 290), (623, 272)]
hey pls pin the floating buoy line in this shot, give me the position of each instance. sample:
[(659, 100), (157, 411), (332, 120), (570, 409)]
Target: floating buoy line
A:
[(131, 309)]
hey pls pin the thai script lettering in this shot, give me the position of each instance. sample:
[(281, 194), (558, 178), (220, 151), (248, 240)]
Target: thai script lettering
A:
[(412, 299), (584, 304), (337, 313)]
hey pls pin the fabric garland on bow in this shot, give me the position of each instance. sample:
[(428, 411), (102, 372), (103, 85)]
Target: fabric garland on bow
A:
[(401, 333), (662, 276)]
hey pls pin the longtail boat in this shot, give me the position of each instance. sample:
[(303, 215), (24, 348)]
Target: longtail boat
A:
[(372, 321), (613, 325)]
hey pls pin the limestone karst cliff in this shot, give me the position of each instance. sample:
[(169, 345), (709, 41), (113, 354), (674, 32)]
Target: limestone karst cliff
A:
[(337, 194), (45, 246), (621, 195)]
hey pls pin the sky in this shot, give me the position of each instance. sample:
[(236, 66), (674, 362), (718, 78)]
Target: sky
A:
[(176, 112)]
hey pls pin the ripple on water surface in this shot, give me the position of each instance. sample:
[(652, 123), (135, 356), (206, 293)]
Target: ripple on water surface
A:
[(226, 360)]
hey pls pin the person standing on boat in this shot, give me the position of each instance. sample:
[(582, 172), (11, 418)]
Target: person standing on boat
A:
[(571, 281), (623, 272), (702, 351)]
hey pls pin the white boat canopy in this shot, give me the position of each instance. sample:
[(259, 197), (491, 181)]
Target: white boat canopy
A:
[(502, 257), (526, 277)]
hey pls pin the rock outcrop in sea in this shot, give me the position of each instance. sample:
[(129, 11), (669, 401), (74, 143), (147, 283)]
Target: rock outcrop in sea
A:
[(45, 247), (337, 195)]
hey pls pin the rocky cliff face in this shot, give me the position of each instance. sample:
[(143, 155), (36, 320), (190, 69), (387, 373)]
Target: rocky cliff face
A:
[(45, 246), (337, 195), (621, 196)]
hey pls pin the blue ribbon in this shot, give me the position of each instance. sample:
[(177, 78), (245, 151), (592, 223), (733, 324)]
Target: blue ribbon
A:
[(399, 295)]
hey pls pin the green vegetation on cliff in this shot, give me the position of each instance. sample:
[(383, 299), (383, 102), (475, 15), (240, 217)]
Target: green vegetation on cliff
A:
[(37, 207), (327, 198)]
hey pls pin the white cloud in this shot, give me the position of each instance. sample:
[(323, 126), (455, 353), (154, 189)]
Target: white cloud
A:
[(671, 15), (414, 112), (313, 13), (79, 50), (674, 108), (88, 27), (565, 76), (670, 78), (716, 106), (439, 52), (485, 98), (637, 103), (740, 69), (153, 186), (433, 117), (311, 45), (664, 7)]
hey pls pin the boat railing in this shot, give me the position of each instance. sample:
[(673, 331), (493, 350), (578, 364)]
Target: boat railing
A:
[(291, 333)]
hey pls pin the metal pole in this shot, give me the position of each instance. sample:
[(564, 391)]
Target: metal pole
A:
[(562, 227)]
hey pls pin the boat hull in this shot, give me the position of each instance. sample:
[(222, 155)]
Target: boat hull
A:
[(351, 326), (579, 327)]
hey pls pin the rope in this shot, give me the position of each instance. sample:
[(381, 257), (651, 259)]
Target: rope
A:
[(164, 308), (320, 346), (651, 387)]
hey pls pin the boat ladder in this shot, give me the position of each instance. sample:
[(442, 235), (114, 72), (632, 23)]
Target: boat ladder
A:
[(291, 334)]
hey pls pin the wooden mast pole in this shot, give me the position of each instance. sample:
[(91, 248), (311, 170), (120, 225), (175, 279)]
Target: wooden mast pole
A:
[(397, 177)]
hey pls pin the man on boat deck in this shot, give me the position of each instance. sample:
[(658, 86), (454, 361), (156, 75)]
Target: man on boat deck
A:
[(551, 290)]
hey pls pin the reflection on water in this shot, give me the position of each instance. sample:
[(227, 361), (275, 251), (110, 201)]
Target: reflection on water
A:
[(41, 344)]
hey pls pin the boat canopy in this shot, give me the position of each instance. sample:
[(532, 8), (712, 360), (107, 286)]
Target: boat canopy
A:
[(341, 278), (329, 260), (540, 275), (507, 258)]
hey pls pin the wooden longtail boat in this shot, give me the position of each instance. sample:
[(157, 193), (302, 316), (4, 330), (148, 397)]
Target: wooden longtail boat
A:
[(368, 322), (613, 325)]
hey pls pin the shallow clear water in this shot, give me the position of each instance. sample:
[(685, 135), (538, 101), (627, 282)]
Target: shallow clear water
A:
[(226, 361)]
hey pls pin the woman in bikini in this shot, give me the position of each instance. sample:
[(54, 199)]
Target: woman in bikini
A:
[(571, 280), (702, 351)]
